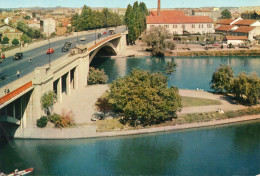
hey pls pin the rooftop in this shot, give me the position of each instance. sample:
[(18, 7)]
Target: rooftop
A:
[(245, 22), (225, 21), (244, 29), (236, 37), (224, 27)]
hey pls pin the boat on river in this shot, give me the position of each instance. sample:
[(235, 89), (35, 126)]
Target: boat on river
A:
[(20, 173)]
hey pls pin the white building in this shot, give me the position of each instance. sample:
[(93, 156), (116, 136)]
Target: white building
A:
[(178, 23), (48, 26)]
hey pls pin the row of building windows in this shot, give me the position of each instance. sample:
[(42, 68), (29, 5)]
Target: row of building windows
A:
[(183, 26)]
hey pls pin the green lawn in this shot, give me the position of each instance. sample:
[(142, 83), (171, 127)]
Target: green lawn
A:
[(191, 102)]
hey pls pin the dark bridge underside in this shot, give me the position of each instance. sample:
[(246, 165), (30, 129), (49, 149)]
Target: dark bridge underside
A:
[(106, 51)]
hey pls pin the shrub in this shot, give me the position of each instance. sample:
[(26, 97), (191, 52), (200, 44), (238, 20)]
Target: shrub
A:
[(15, 42), (103, 105), (63, 120), (47, 101), (42, 122), (5, 40), (97, 76)]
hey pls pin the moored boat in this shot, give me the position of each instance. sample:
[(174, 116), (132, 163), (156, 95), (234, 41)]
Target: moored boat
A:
[(20, 173)]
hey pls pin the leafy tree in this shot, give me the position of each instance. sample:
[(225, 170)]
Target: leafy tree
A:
[(103, 105), (247, 88), (222, 79), (143, 98), (225, 14), (156, 38), (47, 101), (53, 34), (5, 40), (97, 76), (25, 38), (15, 42)]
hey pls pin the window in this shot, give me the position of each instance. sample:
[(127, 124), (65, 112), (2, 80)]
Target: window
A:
[(201, 25), (193, 25), (183, 26), (175, 26), (166, 26)]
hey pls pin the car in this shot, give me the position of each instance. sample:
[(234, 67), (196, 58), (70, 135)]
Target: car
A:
[(67, 44), (111, 32), (215, 44), (3, 76), (104, 32), (50, 51), (243, 46), (65, 49), (18, 56), (82, 39)]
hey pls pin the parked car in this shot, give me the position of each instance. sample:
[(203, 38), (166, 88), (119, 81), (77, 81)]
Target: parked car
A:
[(215, 44), (50, 51), (65, 48), (18, 56), (3, 76), (67, 44), (82, 39), (104, 32), (243, 46)]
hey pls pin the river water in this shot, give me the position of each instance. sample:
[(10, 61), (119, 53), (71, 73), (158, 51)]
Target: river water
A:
[(225, 150), (191, 73)]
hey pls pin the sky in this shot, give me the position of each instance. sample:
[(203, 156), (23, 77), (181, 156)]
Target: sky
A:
[(124, 3)]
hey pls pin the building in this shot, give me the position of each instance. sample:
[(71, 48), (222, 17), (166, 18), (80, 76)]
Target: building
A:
[(239, 27), (34, 24), (10, 32), (235, 40), (61, 30), (48, 26), (178, 23)]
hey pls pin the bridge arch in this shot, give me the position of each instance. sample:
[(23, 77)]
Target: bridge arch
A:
[(108, 48)]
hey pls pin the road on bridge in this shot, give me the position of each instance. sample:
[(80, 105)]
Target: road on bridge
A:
[(39, 57)]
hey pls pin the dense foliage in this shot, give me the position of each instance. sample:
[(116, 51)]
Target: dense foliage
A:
[(159, 39), (47, 101), (5, 40), (15, 42), (25, 38), (97, 76), (42, 122), (63, 120), (170, 67), (222, 79), (135, 20), (226, 14), (143, 98), (30, 32), (103, 105), (92, 19), (245, 88)]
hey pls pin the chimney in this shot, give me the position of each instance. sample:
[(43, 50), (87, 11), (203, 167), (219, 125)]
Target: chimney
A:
[(159, 8)]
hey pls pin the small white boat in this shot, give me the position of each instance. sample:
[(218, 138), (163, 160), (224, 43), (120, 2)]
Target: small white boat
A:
[(22, 172)]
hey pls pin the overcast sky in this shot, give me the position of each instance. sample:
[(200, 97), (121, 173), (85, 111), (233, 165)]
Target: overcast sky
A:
[(124, 3)]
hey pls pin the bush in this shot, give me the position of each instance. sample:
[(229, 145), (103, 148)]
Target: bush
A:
[(143, 98), (15, 42), (5, 40), (42, 122), (103, 105), (97, 76), (47, 101), (63, 120)]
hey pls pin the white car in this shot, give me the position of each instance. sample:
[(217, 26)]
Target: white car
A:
[(82, 39)]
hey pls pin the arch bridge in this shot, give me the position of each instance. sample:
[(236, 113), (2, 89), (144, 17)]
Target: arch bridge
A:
[(21, 107)]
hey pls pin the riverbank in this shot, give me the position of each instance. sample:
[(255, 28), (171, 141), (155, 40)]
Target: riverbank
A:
[(192, 50), (84, 112)]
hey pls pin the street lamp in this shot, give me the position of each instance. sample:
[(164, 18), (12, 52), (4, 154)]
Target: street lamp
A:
[(49, 53)]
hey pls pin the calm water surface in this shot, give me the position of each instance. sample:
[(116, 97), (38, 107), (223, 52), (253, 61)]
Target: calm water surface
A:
[(226, 150), (191, 73)]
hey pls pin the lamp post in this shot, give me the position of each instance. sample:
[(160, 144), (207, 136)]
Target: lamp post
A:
[(49, 53), (95, 36)]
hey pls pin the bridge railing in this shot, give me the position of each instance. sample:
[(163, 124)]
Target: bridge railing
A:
[(103, 41), (16, 92)]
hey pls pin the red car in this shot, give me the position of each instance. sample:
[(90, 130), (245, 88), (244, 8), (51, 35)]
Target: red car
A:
[(50, 51), (105, 32)]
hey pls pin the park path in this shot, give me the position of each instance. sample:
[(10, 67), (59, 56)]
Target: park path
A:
[(81, 102)]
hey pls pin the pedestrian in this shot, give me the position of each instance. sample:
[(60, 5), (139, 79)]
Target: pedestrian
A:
[(18, 73), (30, 60), (3, 56)]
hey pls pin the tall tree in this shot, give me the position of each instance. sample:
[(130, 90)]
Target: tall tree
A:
[(226, 14)]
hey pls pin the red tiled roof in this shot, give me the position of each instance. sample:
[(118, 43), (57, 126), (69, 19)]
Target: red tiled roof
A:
[(178, 20), (245, 22), (168, 13), (236, 37), (224, 27), (244, 29), (225, 21)]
